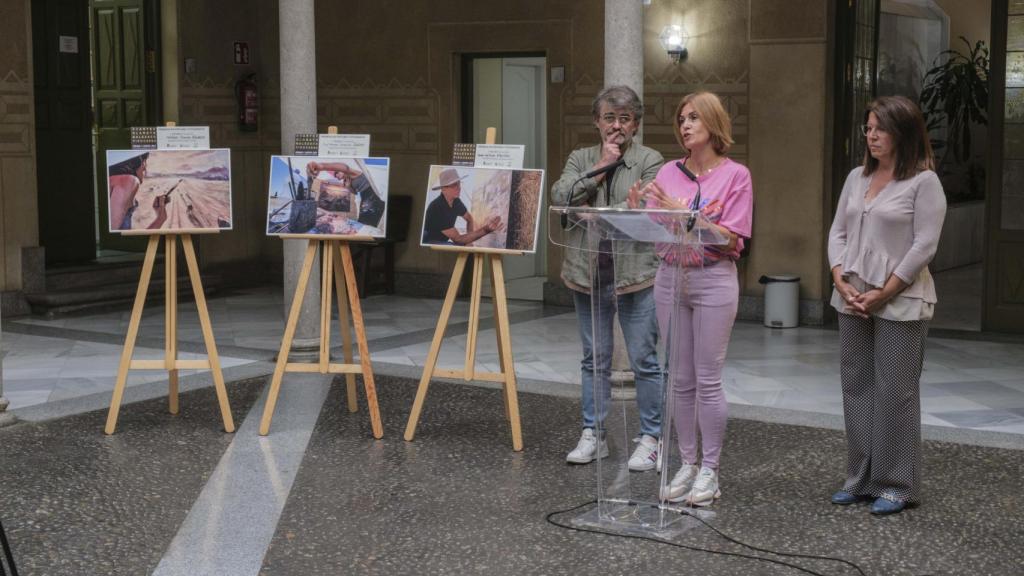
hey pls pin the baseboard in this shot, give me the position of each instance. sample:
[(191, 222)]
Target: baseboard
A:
[(13, 303)]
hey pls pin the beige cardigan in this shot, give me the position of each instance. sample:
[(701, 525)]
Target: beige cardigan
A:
[(896, 233)]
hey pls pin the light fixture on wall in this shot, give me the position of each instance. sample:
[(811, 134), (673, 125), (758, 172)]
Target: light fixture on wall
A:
[(673, 39)]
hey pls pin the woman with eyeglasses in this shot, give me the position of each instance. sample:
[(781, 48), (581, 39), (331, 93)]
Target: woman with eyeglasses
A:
[(705, 179), (885, 232)]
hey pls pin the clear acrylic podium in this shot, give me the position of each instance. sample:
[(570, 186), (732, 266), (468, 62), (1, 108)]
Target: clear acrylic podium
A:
[(631, 502)]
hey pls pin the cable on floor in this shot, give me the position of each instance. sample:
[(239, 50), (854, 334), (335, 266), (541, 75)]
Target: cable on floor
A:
[(551, 515)]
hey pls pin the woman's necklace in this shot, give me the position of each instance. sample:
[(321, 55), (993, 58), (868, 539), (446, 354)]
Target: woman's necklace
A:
[(705, 171)]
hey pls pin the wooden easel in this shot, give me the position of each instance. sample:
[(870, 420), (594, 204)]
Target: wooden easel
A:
[(336, 269), (507, 375), (170, 361)]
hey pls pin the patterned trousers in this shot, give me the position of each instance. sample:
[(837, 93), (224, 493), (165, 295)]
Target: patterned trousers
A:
[(880, 369)]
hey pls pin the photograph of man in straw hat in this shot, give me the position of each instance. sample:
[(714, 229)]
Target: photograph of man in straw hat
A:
[(439, 222)]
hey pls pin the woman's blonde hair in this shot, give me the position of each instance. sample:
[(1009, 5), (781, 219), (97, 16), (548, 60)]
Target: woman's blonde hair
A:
[(711, 112)]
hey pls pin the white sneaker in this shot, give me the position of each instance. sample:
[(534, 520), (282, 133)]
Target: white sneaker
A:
[(679, 488), (587, 449), (705, 488), (646, 454)]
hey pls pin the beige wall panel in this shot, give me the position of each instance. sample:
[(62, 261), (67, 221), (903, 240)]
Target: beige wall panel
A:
[(774, 20), (786, 160), (208, 31), (14, 52), (972, 20), (19, 222), (20, 216), (208, 98), (249, 212), (717, 49)]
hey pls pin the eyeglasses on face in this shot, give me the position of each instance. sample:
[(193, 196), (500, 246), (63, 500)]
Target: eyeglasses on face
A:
[(612, 118), (692, 117), (867, 129)]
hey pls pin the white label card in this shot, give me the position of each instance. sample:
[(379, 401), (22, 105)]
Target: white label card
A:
[(500, 156), (182, 137), (344, 145), (68, 45)]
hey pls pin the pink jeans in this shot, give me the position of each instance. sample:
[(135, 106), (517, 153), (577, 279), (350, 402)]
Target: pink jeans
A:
[(703, 320)]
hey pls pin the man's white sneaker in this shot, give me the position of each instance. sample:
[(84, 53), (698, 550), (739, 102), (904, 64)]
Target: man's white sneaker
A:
[(587, 449), (705, 488), (679, 488), (646, 454)]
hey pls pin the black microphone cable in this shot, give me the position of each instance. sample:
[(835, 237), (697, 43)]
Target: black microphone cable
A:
[(550, 519), (565, 217)]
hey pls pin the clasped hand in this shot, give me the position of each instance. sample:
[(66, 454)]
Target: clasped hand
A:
[(860, 303)]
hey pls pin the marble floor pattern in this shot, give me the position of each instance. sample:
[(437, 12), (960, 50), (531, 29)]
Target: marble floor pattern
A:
[(972, 394), (968, 384)]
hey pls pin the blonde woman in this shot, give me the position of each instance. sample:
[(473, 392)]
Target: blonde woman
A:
[(705, 314)]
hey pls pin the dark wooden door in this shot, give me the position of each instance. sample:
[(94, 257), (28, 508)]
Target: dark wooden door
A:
[(64, 170), (1004, 243), (122, 90)]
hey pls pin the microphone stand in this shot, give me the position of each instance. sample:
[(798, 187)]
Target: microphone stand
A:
[(695, 204), (614, 165)]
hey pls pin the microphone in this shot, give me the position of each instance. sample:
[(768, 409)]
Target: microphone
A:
[(686, 171), (696, 199), (565, 217), (603, 169)]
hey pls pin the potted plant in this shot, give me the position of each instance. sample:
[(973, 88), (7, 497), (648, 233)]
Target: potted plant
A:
[(955, 96)]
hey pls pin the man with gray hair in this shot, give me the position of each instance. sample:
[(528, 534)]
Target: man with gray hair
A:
[(621, 282)]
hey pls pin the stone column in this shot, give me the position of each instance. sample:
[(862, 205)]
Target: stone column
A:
[(298, 115), (624, 64), (624, 44)]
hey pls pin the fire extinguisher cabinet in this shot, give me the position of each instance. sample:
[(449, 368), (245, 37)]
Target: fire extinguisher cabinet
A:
[(781, 300)]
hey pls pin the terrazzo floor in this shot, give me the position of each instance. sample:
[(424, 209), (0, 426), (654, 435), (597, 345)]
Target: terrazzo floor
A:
[(319, 496), (176, 495)]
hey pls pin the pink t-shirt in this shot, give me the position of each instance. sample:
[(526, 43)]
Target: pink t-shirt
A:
[(726, 199)]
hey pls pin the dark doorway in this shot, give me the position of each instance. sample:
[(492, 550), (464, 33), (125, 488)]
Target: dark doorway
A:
[(95, 76), (890, 47), (64, 173)]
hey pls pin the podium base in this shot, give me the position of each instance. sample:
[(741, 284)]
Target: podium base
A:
[(663, 521)]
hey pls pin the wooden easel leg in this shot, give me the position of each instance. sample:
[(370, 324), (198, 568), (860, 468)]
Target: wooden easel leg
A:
[(498, 334), (505, 345), (133, 332), (435, 346), (326, 287), (364, 350), (474, 317), (346, 333), (286, 340), (171, 319), (208, 339)]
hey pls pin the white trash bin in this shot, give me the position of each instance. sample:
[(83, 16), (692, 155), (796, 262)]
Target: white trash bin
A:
[(781, 300)]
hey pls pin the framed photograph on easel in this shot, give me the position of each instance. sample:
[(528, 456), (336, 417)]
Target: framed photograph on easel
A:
[(328, 196), (476, 207), (169, 189)]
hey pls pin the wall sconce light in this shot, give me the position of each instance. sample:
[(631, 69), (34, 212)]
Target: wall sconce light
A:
[(673, 39)]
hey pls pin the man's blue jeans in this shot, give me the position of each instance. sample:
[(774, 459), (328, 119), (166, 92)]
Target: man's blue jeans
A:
[(640, 330)]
